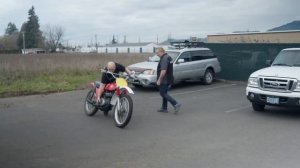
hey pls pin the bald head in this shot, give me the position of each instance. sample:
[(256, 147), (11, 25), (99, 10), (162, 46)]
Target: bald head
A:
[(111, 66)]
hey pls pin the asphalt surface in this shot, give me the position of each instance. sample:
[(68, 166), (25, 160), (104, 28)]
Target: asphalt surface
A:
[(216, 127)]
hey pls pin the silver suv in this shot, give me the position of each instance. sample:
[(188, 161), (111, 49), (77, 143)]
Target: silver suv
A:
[(188, 63)]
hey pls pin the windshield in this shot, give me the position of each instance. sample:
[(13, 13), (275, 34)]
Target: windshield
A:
[(173, 54), (156, 58), (287, 58)]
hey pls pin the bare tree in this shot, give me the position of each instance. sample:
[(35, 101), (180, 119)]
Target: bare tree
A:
[(54, 36), (9, 42)]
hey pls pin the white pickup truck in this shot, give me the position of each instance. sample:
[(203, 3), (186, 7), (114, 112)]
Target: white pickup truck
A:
[(278, 85)]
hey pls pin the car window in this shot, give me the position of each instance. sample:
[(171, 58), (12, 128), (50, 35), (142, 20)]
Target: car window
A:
[(154, 58), (196, 55), (288, 58), (201, 55), (173, 54), (186, 56), (208, 54)]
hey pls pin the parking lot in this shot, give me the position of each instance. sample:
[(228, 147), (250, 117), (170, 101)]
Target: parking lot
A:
[(216, 127)]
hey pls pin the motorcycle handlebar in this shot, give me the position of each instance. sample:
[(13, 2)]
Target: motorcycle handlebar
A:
[(126, 77)]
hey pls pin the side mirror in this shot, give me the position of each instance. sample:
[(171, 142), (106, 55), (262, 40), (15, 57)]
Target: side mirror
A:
[(269, 62), (180, 61)]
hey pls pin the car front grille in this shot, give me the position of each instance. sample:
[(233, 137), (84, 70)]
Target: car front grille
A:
[(277, 84)]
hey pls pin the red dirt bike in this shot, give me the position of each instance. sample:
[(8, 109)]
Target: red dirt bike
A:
[(116, 97)]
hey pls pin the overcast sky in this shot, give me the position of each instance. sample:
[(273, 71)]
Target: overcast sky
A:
[(147, 19)]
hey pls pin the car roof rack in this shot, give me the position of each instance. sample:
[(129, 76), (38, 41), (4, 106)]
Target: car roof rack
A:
[(186, 44)]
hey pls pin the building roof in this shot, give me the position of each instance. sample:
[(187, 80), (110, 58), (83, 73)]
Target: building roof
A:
[(246, 33), (128, 44), (33, 49)]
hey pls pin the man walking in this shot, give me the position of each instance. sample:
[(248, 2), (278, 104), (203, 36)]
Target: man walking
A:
[(164, 79)]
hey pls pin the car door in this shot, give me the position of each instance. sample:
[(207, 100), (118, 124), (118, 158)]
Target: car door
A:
[(182, 66), (199, 63), (201, 60)]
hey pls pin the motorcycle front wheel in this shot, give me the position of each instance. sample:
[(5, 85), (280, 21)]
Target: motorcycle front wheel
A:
[(89, 108), (123, 111)]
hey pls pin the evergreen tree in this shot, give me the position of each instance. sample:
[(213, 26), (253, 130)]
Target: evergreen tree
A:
[(31, 30), (11, 28), (33, 33)]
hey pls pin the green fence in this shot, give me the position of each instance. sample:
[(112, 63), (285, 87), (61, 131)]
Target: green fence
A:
[(238, 61)]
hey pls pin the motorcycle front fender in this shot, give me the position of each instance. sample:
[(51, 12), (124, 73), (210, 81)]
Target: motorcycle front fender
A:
[(115, 97), (128, 89)]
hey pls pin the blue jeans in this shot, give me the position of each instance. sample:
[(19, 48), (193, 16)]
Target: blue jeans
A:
[(163, 89)]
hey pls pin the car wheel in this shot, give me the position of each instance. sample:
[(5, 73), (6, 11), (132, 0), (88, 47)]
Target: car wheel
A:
[(208, 77), (258, 107)]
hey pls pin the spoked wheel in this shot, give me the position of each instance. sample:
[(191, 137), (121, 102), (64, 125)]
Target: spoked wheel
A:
[(123, 111), (89, 108)]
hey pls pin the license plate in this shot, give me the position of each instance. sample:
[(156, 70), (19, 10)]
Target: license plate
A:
[(273, 100)]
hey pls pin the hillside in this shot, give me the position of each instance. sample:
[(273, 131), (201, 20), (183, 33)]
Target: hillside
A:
[(295, 25)]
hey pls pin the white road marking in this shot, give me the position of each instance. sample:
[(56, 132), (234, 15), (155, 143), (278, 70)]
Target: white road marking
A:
[(237, 109), (200, 90)]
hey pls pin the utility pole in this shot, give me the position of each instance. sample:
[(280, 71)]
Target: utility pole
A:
[(96, 43), (157, 39), (23, 42), (125, 40)]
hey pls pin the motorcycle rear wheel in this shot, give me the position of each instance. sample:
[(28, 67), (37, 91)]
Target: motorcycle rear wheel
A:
[(89, 108), (122, 116)]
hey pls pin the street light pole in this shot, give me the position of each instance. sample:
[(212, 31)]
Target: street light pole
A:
[(23, 42), (96, 43)]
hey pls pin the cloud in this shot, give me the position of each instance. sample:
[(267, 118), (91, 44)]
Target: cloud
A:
[(82, 19)]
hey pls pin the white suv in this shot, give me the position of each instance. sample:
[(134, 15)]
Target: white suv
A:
[(188, 63), (278, 85)]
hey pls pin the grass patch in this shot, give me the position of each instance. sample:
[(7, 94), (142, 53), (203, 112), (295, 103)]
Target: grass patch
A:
[(45, 73), (47, 83)]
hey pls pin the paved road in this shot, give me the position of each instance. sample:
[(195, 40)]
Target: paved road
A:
[(215, 128)]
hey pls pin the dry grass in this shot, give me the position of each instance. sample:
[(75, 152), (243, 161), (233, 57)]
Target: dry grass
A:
[(44, 73), (15, 65)]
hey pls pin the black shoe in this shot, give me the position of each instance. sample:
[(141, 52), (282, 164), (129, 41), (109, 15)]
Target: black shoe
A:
[(162, 110), (177, 108), (105, 113)]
